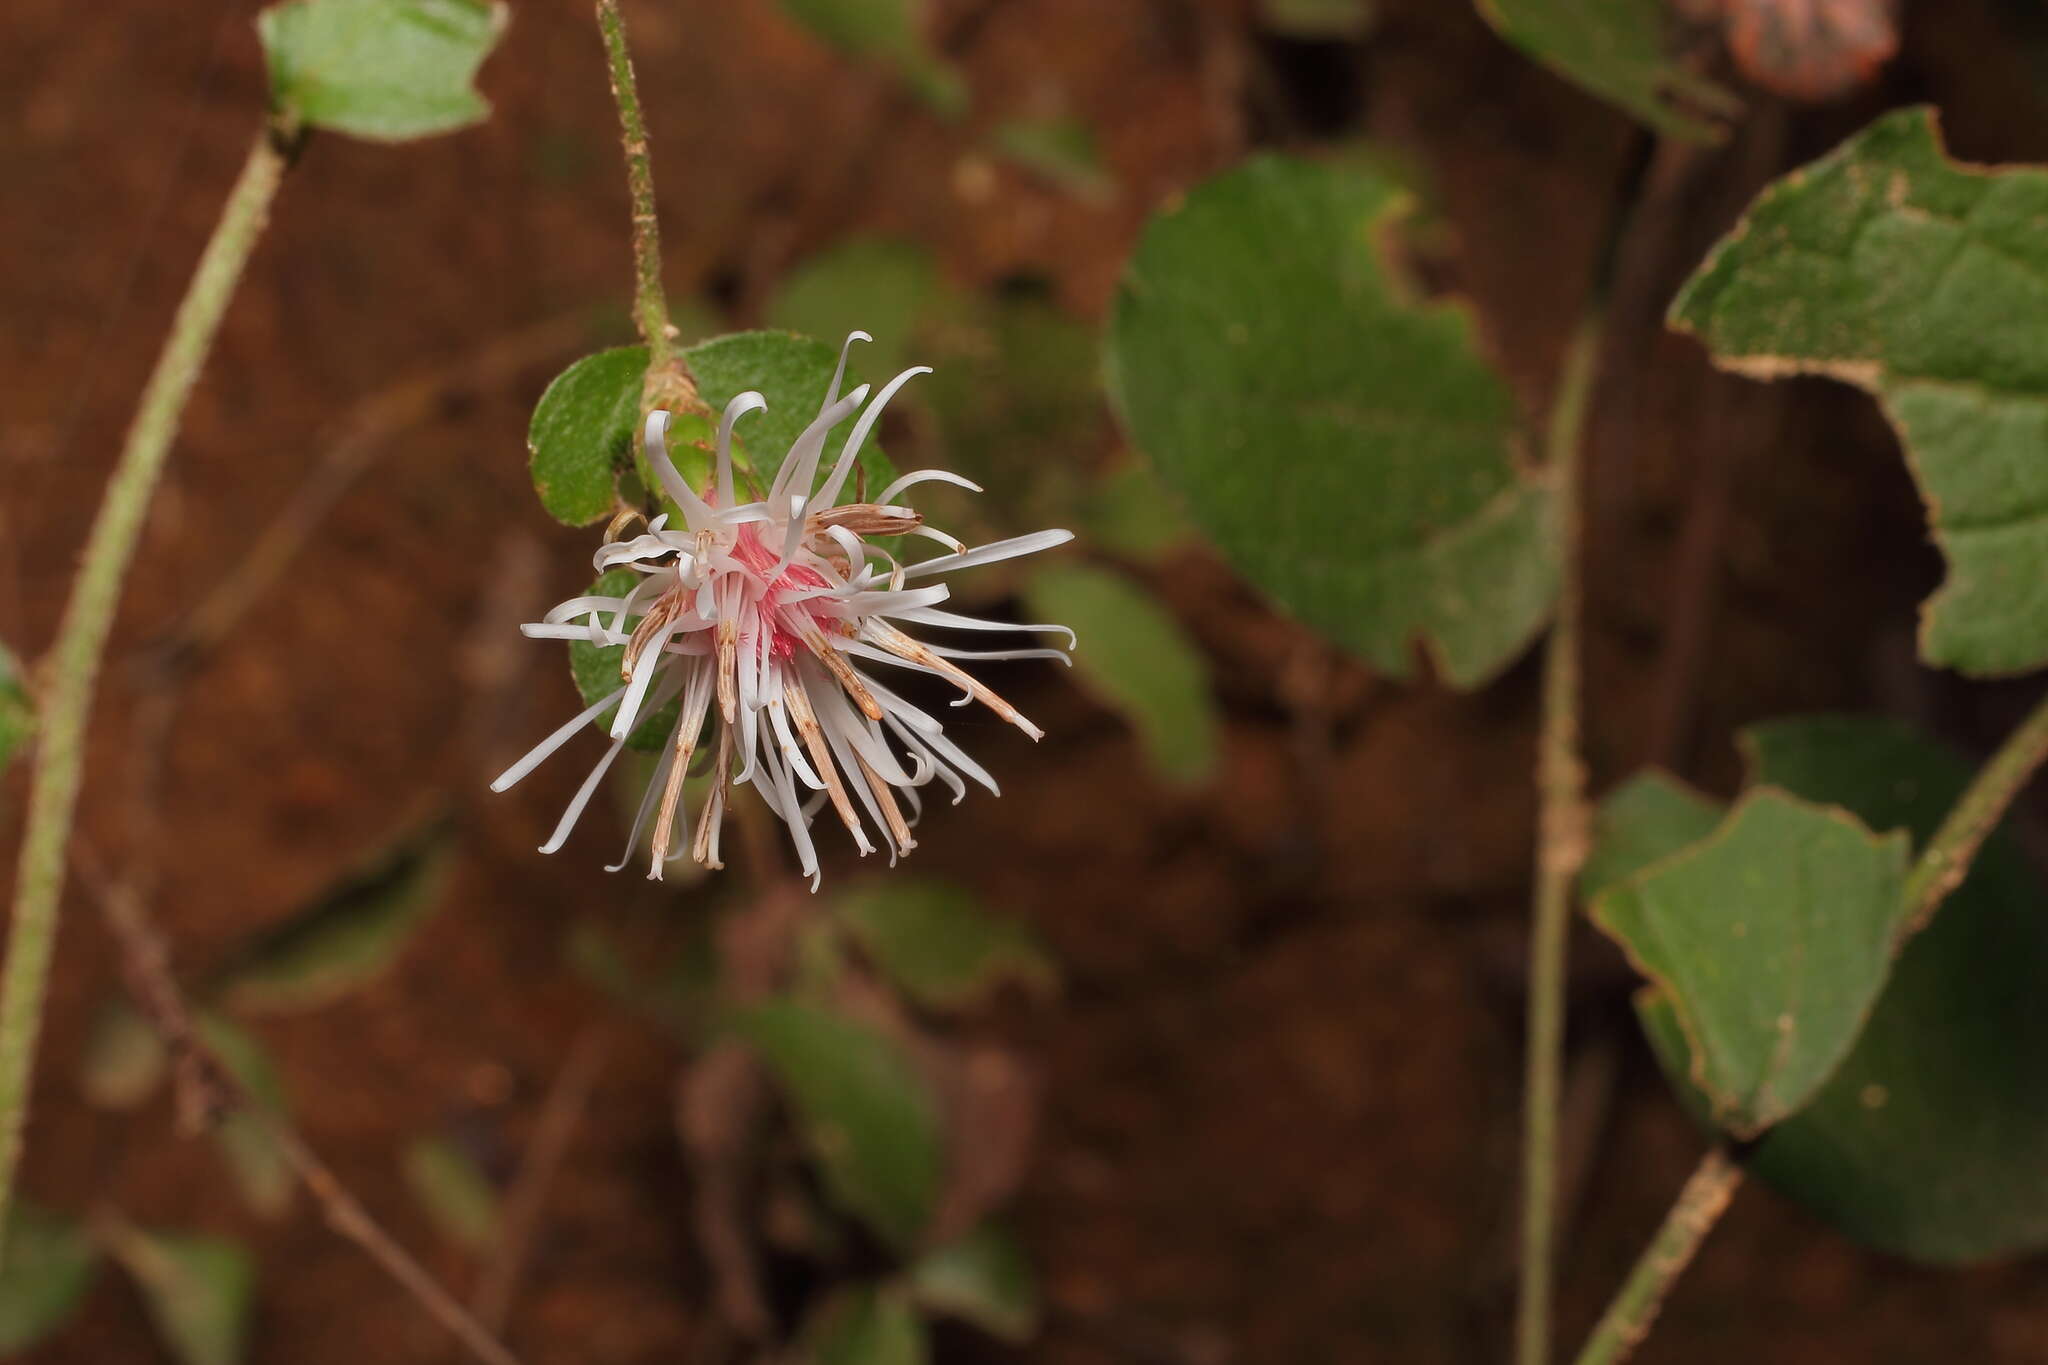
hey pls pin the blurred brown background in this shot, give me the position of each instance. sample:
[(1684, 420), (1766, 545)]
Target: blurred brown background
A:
[(1278, 1093)]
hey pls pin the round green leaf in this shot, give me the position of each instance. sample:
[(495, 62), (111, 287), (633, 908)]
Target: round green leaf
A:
[(792, 372), (1772, 939), (1134, 655), (870, 1121), (941, 947), (584, 432), (1341, 442), (387, 70), (1889, 266)]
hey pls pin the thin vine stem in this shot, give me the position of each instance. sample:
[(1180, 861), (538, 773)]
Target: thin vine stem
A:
[(669, 383), (69, 681), (1700, 1204), (1946, 860), (1560, 850)]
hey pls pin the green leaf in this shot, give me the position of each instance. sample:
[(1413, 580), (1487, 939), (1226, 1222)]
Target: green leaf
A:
[(940, 946), (387, 70), (124, 1058), (454, 1191), (1130, 513), (866, 1326), (1772, 940), (1613, 49), (198, 1290), (17, 712), (48, 1264), (867, 284), (1888, 266), (1062, 151), (1342, 443), (871, 1123), (1134, 656), (247, 1142), (347, 935), (1931, 1140), (584, 432), (1645, 820), (792, 372), (889, 32), (1327, 20), (984, 1278)]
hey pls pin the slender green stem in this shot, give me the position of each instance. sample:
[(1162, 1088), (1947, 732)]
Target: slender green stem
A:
[(1700, 1205), (1560, 849), (1945, 861), (669, 383), (72, 672)]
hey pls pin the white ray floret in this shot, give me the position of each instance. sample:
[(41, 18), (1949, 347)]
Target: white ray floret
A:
[(757, 615)]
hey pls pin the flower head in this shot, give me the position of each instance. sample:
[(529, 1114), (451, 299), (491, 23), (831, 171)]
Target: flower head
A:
[(759, 617)]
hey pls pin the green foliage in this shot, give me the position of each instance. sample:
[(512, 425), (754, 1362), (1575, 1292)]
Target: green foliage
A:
[(1889, 266), (1129, 513), (1136, 658), (46, 1267), (792, 373), (1341, 442), (871, 1122), (1061, 151), (347, 935), (456, 1194), (387, 70), (867, 1326), (939, 946), (1930, 1139), (246, 1140), (198, 1290), (1613, 49), (584, 432), (17, 712), (983, 1278), (1772, 939), (124, 1058), (1647, 818), (889, 32), (872, 284)]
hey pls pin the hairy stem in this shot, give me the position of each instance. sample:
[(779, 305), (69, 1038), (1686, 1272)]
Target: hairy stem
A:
[(669, 383), (1699, 1206), (1560, 849), (1945, 861), (72, 671)]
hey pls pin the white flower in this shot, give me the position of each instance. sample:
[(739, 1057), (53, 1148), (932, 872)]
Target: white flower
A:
[(759, 616)]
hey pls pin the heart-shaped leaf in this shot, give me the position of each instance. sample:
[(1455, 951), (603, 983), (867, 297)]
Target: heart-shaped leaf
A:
[(1772, 939), (1613, 49), (871, 1122), (387, 70), (583, 432), (1340, 441), (46, 1267), (941, 947), (1136, 658), (1891, 267), (1930, 1140)]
